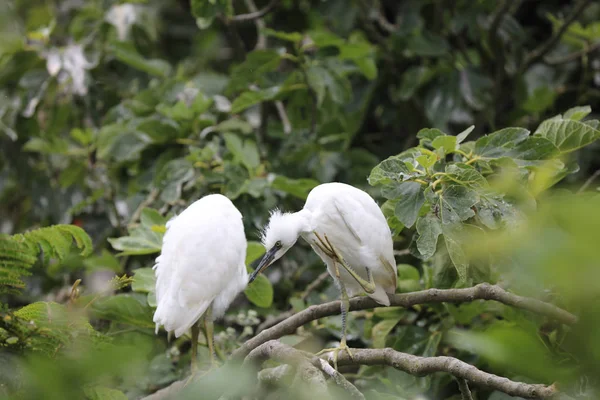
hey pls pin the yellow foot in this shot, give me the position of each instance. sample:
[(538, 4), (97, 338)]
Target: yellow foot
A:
[(336, 350)]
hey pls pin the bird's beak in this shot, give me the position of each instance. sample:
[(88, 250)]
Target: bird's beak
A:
[(264, 263)]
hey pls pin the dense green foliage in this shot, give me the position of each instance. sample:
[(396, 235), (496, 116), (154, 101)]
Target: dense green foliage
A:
[(467, 121)]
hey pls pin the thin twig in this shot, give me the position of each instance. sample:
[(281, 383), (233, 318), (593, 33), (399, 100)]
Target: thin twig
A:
[(482, 291), (420, 366), (538, 53), (463, 386), (574, 56), (143, 204), (403, 252), (261, 38), (589, 181), (383, 22), (256, 14), (285, 121)]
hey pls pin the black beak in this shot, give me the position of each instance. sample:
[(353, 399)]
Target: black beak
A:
[(264, 263)]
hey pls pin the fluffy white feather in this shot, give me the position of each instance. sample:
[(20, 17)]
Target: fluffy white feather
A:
[(202, 262)]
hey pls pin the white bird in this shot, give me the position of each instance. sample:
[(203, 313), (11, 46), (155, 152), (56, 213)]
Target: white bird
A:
[(201, 268), (347, 229)]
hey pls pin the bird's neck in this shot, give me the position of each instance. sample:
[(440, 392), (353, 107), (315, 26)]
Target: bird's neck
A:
[(302, 221)]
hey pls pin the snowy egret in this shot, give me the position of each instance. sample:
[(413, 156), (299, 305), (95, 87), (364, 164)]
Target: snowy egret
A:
[(201, 268), (347, 229)]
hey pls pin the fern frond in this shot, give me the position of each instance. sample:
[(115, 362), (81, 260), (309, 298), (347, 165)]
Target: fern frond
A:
[(19, 252)]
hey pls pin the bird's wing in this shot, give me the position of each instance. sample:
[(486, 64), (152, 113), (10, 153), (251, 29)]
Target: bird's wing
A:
[(346, 220), (195, 264)]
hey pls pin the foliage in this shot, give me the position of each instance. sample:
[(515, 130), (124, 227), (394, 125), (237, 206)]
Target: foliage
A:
[(114, 116)]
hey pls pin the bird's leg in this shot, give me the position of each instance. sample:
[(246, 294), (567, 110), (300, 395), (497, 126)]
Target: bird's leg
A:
[(345, 306), (209, 332), (330, 250), (195, 334)]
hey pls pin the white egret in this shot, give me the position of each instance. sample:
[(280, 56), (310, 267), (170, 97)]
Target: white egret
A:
[(347, 229), (201, 268)]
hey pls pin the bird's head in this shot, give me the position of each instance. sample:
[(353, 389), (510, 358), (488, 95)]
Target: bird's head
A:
[(280, 234)]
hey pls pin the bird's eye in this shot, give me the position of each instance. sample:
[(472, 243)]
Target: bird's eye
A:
[(278, 244)]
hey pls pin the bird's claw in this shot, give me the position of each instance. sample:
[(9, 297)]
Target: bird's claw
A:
[(336, 351)]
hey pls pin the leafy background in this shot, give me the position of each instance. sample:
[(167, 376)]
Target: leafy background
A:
[(114, 116)]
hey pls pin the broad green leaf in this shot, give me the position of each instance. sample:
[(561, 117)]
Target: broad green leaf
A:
[(144, 280), (260, 292), (410, 200), (236, 180), (534, 148), (127, 53), (392, 169), (250, 98), (454, 203), (427, 44), (244, 151), (447, 143), (135, 245), (429, 229), (322, 80), (171, 177), (407, 271), (429, 134), (412, 79), (296, 187), (497, 144), (125, 308), (151, 217), (253, 69), (455, 251), (577, 113), (106, 260), (463, 135), (466, 175), (381, 330), (254, 251), (389, 212), (426, 160), (567, 135)]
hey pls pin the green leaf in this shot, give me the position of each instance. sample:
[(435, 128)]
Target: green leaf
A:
[(412, 79), (144, 280), (426, 160), (299, 188), (427, 44), (429, 229), (141, 240), (248, 99), (236, 180), (429, 134), (127, 54), (577, 113), (104, 393), (463, 135), (447, 143), (205, 11), (294, 37), (408, 272), (125, 308), (381, 330), (466, 175), (389, 170), (389, 212), (455, 251), (454, 203), (254, 250), (567, 135), (151, 217), (257, 64), (171, 178), (244, 151), (410, 200), (260, 292), (497, 144), (322, 80), (106, 260)]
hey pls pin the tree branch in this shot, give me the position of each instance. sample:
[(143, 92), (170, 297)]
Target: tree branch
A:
[(538, 53), (420, 366), (482, 291), (256, 14), (574, 56), (463, 386), (589, 181), (277, 351)]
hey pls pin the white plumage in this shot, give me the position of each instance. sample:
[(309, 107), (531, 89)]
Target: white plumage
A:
[(202, 264), (347, 229), (354, 224)]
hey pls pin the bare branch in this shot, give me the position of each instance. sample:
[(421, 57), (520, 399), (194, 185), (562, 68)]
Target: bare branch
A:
[(256, 14), (538, 53), (277, 351), (482, 291), (145, 203), (589, 181), (465, 392), (420, 366), (574, 56)]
